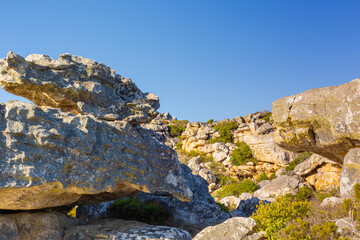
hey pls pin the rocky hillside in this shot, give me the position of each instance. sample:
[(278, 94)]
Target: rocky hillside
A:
[(92, 158)]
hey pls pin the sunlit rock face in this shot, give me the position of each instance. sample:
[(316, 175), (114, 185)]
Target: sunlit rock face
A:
[(325, 121), (56, 156), (78, 85)]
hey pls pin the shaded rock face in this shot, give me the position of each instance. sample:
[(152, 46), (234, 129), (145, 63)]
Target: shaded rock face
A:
[(233, 229), (118, 229), (194, 215), (50, 157), (78, 85), (39, 226), (325, 121)]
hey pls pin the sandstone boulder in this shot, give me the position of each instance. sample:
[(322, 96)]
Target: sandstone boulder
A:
[(324, 120)]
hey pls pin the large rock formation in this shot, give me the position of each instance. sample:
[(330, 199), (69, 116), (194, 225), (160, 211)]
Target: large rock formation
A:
[(56, 156), (77, 85), (325, 121)]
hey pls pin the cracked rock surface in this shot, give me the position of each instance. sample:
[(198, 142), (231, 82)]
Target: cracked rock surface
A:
[(57, 156), (325, 121)]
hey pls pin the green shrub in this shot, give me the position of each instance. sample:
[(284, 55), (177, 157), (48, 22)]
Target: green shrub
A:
[(192, 153), (224, 130), (272, 176), (132, 209), (300, 229), (267, 117), (175, 131), (235, 189), (210, 121), (300, 158), (263, 177), (242, 155), (325, 194), (304, 193), (272, 217), (223, 207), (179, 145), (225, 180)]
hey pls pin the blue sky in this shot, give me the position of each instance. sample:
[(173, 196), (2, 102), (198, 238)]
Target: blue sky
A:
[(204, 59)]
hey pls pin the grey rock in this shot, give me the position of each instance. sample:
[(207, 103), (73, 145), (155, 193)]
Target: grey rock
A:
[(347, 226), (280, 186), (236, 213), (311, 164), (230, 201), (208, 175), (51, 158), (263, 183), (78, 85), (264, 129), (118, 229), (350, 173), (249, 206), (237, 228), (194, 164)]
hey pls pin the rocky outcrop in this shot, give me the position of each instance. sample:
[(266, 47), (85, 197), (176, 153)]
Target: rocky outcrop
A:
[(320, 172), (77, 85), (73, 153), (237, 228), (124, 230), (350, 173), (324, 120)]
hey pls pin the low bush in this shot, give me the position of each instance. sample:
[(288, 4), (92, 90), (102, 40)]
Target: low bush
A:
[(132, 209), (225, 180), (236, 189), (263, 177), (272, 217), (224, 130), (304, 193), (242, 155), (210, 121), (300, 229), (300, 158), (177, 127)]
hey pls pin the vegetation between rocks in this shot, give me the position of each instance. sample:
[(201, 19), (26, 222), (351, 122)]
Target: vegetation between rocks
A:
[(236, 189), (299, 217), (177, 127), (224, 130), (242, 155), (132, 209), (300, 158)]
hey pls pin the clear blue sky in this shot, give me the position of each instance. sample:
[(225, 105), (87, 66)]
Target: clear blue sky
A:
[(204, 59)]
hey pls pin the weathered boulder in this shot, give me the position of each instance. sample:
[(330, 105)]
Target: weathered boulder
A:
[(350, 173), (35, 225), (331, 202), (237, 228), (78, 85), (279, 186), (124, 230), (324, 120), (73, 153)]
